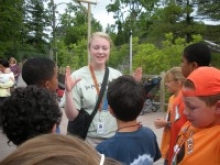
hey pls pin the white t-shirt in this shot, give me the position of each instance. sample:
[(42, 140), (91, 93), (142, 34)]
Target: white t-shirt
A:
[(85, 96), (5, 77)]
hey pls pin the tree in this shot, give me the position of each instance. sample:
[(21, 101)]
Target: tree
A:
[(130, 15), (36, 22), (209, 8), (177, 17), (10, 26)]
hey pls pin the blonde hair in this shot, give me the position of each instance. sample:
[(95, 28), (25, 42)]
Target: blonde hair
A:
[(56, 149), (13, 60), (176, 73), (102, 35)]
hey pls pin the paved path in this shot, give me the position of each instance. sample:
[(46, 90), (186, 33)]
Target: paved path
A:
[(147, 120)]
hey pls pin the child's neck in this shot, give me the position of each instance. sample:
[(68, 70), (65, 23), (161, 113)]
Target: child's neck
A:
[(130, 126)]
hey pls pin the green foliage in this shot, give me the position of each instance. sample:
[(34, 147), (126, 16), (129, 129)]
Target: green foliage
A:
[(75, 55), (155, 60), (209, 8)]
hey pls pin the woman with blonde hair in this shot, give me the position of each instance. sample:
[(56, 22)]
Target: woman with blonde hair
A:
[(84, 85), (56, 149)]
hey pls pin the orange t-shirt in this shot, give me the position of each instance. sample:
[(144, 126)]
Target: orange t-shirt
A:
[(166, 133), (178, 119), (202, 146)]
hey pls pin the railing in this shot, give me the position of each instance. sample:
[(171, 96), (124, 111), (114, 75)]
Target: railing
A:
[(213, 45)]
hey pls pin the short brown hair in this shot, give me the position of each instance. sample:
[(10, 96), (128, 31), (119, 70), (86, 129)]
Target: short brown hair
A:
[(56, 149)]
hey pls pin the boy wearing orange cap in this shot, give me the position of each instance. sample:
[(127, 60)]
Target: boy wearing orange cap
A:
[(194, 56), (199, 139)]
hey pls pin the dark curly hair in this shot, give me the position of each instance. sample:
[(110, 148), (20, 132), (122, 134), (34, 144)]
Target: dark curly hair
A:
[(29, 112), (36, 71)]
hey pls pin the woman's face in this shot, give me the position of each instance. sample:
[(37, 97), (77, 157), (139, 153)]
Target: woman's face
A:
[(99, 50)]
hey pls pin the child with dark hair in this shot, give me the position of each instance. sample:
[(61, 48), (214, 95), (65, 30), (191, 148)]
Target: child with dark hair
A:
[(194, 56), (199, 139), (132, 142), (42, 72), (29, 112)]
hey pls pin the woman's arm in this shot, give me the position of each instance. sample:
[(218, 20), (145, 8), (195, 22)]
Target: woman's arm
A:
[(138, 74), (70, 108)]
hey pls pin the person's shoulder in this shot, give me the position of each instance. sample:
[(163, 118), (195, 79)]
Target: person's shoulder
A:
[(148, 131), (103, 144), (81, 71), (115, 71), (109, 143)]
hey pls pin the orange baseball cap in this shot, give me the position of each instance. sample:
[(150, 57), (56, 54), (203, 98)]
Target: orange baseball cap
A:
[(206, 81)]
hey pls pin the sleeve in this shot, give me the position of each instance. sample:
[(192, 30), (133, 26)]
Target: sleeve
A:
[(17, 73), (157, 150), (7, 84)]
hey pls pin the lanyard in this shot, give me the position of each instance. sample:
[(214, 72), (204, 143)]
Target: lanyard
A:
[(95, 83), (183, 136)]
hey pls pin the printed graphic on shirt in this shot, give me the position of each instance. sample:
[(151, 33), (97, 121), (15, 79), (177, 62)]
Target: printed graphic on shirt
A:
[(180, 149), (143, 160)]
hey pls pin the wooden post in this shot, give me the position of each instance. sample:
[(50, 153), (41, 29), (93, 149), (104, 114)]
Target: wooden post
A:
[(89, 2), (162, 91)]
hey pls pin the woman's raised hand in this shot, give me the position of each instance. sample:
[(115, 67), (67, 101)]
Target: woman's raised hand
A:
[(138, 74), (69, 81)]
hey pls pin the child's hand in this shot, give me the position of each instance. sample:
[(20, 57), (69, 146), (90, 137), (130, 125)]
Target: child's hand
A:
[(138, 74), (69, 82), (160, 123)]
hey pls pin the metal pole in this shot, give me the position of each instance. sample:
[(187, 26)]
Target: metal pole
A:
[(89, 27), (131, 52)]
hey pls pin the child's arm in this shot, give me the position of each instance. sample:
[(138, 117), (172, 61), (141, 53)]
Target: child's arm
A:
[(161, 122), (7, 84), (70, 108)]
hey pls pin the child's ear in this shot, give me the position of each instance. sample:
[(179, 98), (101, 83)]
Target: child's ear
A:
[(218, 107), (194, 65), (47, 85)]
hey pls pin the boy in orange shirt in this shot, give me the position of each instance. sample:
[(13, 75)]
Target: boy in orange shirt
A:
[(194, 56), (199, 139)]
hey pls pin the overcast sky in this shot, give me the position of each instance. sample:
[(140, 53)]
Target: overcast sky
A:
[(98, 11)]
